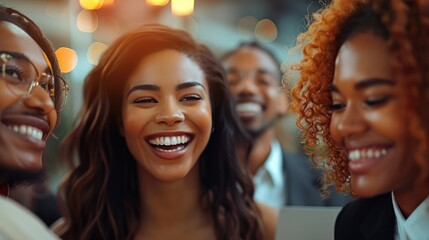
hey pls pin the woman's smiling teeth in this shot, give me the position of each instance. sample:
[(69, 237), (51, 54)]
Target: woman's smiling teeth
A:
[(27, 130), (168, 141), (367, 153)]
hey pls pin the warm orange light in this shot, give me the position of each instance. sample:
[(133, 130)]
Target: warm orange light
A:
[(157, 2), (182, 7), (108, 2), (67, 58), (87, 21), (95, 51), (91, 4), (266, 30)]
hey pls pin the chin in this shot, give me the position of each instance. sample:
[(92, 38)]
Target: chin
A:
[(30, 162), (171, 177), (367, 190)]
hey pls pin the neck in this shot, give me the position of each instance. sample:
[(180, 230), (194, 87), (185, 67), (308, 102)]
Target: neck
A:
[(410, 197), (261, 148), (171, 206)]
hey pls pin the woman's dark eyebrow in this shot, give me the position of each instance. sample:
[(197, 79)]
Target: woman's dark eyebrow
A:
[(150, 87), (147, 87), (189, 85), (373, 81), (365, 84)]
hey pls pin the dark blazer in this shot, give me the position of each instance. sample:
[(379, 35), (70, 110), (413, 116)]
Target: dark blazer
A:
[(302, 186), (367, 218)]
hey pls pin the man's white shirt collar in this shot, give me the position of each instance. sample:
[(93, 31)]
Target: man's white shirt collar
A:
[(416, 226), (269, 178)]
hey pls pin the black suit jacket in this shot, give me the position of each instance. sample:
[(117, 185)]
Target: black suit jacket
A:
[(367, 219), (302, 183)]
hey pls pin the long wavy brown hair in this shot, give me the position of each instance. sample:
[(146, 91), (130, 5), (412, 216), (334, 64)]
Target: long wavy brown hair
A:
[(100, 195), (404, 24)]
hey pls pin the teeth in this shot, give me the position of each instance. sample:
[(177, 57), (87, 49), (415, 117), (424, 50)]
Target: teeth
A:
[(171, 150), (169, 141), (367, 153), (249, 107), (27, 130)]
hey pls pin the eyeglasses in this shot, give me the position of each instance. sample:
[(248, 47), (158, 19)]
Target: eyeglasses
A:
[(22, 77)]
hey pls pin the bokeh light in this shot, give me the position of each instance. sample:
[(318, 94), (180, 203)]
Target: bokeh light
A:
[(182, 7), (91, 4), (95, 51), (247, 24), (157, 2), (108, 2), (87, 21), (266, 30), (67, 58)]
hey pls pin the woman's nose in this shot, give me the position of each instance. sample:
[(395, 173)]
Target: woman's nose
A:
[(170, 113)]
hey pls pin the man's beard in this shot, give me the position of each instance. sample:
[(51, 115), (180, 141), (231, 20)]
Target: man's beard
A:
[(256, 133), (17, 178)]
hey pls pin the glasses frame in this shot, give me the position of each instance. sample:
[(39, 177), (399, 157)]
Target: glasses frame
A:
[(5, 56)]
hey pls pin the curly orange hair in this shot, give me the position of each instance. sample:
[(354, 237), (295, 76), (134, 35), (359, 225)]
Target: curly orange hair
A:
[(407, 25)]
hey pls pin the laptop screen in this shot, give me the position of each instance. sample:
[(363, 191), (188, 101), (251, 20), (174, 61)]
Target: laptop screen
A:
[(307, 223)]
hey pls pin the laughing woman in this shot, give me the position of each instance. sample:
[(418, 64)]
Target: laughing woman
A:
[(364, 90), (154, 149)]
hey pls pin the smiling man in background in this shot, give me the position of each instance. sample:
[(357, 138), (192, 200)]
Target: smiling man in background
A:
[(280, 177)]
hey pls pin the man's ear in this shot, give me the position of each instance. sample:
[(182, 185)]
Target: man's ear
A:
[(283, 102)]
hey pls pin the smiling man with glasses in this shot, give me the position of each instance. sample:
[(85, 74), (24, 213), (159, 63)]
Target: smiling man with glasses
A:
[(32, 93)]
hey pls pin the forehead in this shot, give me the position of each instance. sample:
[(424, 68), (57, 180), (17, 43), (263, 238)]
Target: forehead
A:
[(167, 67), (14, 39), (248, 58), (363, 56)]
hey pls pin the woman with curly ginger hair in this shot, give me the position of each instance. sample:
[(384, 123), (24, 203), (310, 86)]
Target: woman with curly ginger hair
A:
[(362, 101), (154, 149)]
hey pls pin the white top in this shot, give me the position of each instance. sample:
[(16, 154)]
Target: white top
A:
[(416, 226), (17, 223), (269, 179)]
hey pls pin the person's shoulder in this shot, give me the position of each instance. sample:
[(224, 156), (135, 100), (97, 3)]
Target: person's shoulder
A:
[(362, 205), (363, 212), (269, 217), (19, 223), (353, 214)]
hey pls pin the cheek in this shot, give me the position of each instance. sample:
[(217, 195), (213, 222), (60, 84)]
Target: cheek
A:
[(132, 125), (272, 92), (53, 118), (388, 123), (133, 121), (202, 117), (233, 89), (7, 98)]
